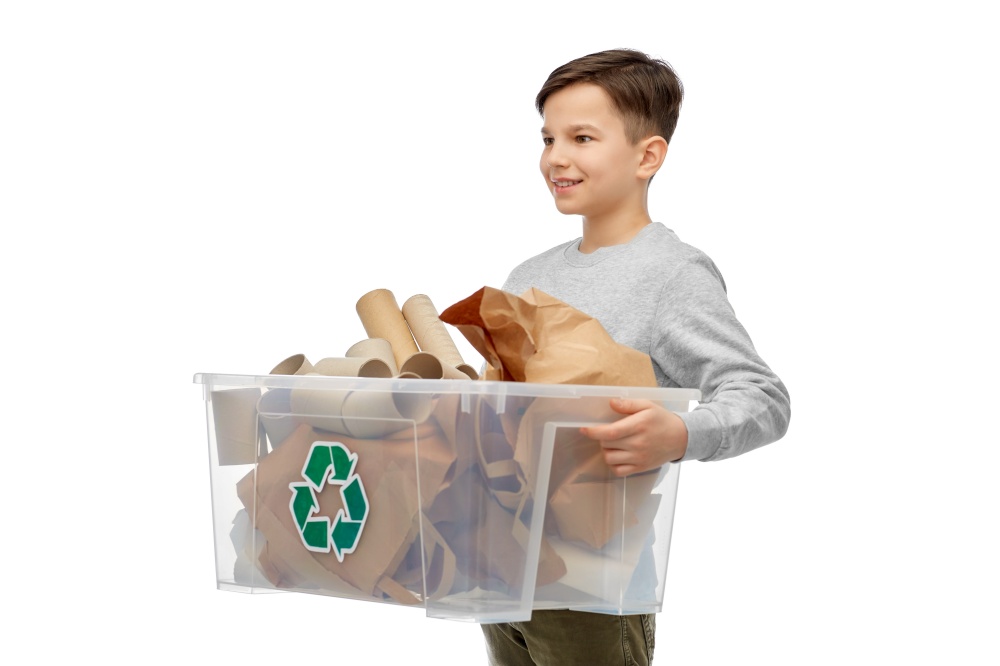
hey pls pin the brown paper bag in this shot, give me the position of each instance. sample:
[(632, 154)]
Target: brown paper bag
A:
[(487, 540), (484, 535), (386, 469), (587, 502), (537, 338)]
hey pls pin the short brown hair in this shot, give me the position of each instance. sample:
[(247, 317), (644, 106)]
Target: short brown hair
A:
[(644, 91)]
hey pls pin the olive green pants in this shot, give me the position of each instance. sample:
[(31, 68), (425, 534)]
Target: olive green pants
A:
[(564, 638)]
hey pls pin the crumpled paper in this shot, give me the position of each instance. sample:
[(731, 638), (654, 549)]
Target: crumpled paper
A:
[(538, 338)]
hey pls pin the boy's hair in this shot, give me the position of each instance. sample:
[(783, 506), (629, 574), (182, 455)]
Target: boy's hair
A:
[(644, 91)]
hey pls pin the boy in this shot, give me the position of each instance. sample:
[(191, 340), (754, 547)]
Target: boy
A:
[(607, 121)]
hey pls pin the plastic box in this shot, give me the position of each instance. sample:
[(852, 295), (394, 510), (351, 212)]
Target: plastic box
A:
[(428, 493)]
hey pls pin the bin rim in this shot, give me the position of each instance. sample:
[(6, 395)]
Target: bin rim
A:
[(445, 386)]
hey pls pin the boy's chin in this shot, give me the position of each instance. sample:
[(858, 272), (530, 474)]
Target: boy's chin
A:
[(566, 209)]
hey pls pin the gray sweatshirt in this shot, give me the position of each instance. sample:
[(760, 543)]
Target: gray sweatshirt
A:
[(667, 299)]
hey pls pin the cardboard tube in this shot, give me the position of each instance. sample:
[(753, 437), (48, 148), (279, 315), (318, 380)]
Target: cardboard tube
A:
[(372, 414), (353, 367), (375, 367), (274, 410), (236, 430), (432, 335), (463, 371), (415, 406), (320, 408), (382, 318), (423, 365), (293, 365), (374, 348), (359, 414)]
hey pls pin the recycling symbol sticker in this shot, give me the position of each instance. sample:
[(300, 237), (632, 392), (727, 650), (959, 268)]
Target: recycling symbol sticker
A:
[(329, 463)]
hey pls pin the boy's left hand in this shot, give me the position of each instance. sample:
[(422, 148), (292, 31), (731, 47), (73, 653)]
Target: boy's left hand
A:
[(647, 437)]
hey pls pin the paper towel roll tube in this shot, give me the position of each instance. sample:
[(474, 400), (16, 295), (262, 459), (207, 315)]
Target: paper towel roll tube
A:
[(236, 432), (382, 318), (374, 348), (296, 364), (274, 411), (360, 414), (428, 366), (432, 335), (353, 367)]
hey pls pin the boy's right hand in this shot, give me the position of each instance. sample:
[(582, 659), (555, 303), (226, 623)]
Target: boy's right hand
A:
[(648, 436)]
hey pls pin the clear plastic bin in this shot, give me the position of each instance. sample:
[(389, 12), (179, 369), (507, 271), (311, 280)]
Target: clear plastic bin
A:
[(426, 493)]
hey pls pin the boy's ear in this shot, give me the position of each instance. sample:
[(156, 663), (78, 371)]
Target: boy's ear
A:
[(654, 151)]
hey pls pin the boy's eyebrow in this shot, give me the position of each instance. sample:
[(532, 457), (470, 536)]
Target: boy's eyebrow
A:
[(582, 127)]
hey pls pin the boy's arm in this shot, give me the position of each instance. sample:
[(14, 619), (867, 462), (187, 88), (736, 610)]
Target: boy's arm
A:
[(700, 344)]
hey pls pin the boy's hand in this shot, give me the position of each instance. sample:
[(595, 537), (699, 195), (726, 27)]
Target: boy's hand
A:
[(646, 438)]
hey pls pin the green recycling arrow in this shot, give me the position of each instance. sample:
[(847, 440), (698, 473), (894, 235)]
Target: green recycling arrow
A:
[(329, 463)]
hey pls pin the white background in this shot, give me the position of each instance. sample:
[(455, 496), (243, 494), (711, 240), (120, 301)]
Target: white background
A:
[(210, 186)]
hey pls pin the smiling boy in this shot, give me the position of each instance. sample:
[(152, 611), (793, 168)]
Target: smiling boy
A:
[(607, 122)]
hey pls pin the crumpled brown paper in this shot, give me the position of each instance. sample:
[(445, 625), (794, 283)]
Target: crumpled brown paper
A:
[(390, 477), (538, 338), (465, 530)]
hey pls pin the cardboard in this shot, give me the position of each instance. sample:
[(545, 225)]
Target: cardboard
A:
[(387, 469), (361, 414), (353, 367), (468, 500), (297, 364), (537, 338), (382, 318), (274, 411), (432, 336), (374, 348), (237, 433), (482, 535), (388, 561), (424, 365)]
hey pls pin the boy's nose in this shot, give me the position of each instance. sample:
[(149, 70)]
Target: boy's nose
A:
[(555, 158)]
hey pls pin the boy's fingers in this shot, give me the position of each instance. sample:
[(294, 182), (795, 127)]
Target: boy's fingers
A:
[(610, 433), (621, 462), (620, 428), (629, 406), (603, 433)]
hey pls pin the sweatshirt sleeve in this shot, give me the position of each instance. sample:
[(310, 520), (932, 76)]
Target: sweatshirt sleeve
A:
[(700, 344)]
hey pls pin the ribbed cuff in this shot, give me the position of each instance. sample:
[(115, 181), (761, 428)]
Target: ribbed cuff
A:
[(704, 434)]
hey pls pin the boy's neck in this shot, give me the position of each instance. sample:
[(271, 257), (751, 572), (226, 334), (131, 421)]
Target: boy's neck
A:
[(605, 231)]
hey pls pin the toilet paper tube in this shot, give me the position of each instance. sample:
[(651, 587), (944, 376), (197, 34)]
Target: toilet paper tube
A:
[(297, 364), (359, 414), (423, 365), (427, 366), (353, 367), (374, 348), (236, 430), (432, 336), (382, 318), (274, 410)]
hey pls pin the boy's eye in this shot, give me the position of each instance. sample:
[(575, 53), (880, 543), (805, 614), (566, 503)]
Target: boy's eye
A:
[(547, 140), (583, 139)]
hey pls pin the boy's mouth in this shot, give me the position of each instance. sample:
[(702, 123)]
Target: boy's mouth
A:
[(563, 185)]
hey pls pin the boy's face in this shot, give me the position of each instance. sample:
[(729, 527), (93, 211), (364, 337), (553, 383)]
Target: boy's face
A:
[(588, 163)]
